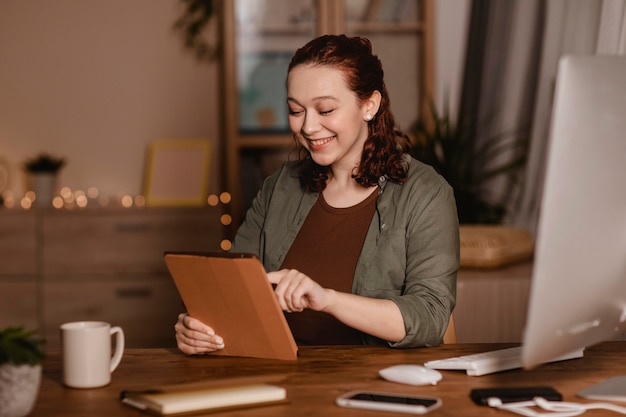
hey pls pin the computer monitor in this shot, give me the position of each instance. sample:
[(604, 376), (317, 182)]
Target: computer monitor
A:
[(578, 287)]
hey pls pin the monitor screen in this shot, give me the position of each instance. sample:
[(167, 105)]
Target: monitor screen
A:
[(578, 288)]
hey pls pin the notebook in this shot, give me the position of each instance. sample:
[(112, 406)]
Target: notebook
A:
[(231, 293), (207, 396)]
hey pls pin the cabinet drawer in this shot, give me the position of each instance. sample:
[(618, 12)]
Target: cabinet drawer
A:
[(125, 241), (18, 304), (146, 310), (17, 242)]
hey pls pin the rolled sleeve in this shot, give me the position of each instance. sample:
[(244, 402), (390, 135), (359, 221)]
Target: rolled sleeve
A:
[(416, 257)]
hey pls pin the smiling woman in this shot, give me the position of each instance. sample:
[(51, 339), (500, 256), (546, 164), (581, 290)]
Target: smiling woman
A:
[(327, 120), (360, 240)]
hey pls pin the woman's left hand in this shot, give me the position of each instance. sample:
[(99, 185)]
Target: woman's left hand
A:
[(296, 291)]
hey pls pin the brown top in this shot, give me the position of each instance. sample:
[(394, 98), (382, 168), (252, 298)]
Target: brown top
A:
[(327, 249)]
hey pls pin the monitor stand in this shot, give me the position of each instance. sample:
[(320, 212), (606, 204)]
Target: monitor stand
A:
[(613, 389)]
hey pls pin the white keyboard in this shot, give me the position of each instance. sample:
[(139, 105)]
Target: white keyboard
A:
[(489, 362)]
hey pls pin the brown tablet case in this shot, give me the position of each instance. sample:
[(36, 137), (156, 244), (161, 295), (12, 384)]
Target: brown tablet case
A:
[(231, 293)]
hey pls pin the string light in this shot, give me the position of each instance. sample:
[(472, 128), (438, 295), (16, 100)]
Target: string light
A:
[(68, 199), (225, 197), (213, 200)]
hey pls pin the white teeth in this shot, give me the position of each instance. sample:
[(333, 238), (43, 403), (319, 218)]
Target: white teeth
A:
[(320, 142)]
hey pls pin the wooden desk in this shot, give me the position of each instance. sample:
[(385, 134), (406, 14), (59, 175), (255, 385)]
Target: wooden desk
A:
[(320, 375)]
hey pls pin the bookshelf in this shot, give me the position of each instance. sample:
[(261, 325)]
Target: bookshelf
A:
[(259, 39)]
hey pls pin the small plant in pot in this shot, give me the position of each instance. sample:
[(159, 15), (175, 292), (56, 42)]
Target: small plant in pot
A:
[(21, 357), (44, 163), (42, 173)]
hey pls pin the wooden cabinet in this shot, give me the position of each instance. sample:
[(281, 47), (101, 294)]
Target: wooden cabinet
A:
[(18, 269), (145, 307), (492, 304), (18, 302), (259, 39), (18, 248), (124, 241), (99, 264)]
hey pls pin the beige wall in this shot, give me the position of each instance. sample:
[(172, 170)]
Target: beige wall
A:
[(97, 81)]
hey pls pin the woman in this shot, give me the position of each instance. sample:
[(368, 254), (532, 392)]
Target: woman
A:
[(360, 240)]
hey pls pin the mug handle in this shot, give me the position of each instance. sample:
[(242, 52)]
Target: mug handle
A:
[(119, 347)]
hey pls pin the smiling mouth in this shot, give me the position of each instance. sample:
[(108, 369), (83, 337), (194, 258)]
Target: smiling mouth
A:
[(321, 142)]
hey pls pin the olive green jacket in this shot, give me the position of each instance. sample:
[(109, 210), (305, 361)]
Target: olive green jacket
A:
[(410, 254)]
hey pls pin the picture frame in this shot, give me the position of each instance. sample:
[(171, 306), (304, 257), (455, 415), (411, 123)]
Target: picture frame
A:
[(177, 172), (262, 91)]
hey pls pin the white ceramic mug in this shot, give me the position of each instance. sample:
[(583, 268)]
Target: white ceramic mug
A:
[(87, 360)]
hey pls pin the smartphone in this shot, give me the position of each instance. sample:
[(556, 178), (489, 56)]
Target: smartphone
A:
[(385, 401), (481, 396)]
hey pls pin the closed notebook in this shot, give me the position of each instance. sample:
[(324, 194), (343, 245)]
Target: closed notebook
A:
[(231, 293), (186, 399)]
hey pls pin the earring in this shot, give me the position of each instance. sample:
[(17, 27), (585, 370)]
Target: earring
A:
[(368, 117)]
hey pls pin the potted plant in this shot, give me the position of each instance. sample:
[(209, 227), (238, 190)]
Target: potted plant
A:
[(42, 173), (469, 165), (193, 23), (21, 357)]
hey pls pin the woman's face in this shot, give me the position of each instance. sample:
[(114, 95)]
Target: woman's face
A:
[(326, 116)]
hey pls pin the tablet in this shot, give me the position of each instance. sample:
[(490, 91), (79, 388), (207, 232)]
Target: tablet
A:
[(231, 293)]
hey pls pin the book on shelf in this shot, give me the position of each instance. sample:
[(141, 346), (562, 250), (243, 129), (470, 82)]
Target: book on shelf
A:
[(192, 398)]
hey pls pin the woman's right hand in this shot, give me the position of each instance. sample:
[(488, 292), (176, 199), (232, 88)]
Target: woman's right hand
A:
[(194, 337)]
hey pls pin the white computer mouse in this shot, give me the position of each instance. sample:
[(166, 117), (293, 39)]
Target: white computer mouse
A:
[(411, 375)]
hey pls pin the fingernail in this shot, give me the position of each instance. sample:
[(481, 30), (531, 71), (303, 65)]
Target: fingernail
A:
[(220, 346), (219, 341)]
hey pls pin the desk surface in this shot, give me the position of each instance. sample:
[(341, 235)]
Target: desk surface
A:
[(319, 376)]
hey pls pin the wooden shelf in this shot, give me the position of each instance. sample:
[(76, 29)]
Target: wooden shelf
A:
[(280, 36), (385, 28), (285, 140)]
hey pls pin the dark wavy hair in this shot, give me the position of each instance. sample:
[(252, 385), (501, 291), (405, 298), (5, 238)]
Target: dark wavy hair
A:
[(363, 72)]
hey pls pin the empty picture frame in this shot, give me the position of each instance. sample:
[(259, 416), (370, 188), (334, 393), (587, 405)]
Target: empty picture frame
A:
[(177, 172)]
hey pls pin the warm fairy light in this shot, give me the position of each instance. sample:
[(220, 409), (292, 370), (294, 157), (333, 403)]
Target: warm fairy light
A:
[(81, 200), (68, 197), (127, 201), (226, 219), (225, 198), (213, 200), (26, 203), (226, 244), (30, 195), (66, 193), (93, 192), (57, 202), (9, 200), (72, 199), (140, 201)]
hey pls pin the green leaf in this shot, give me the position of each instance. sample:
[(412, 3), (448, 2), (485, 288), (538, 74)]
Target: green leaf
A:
[(20, 347), (469, 164)]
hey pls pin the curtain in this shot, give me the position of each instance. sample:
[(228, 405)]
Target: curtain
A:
[(511, 61), (571, 27), (499, 81), (612, 30)]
